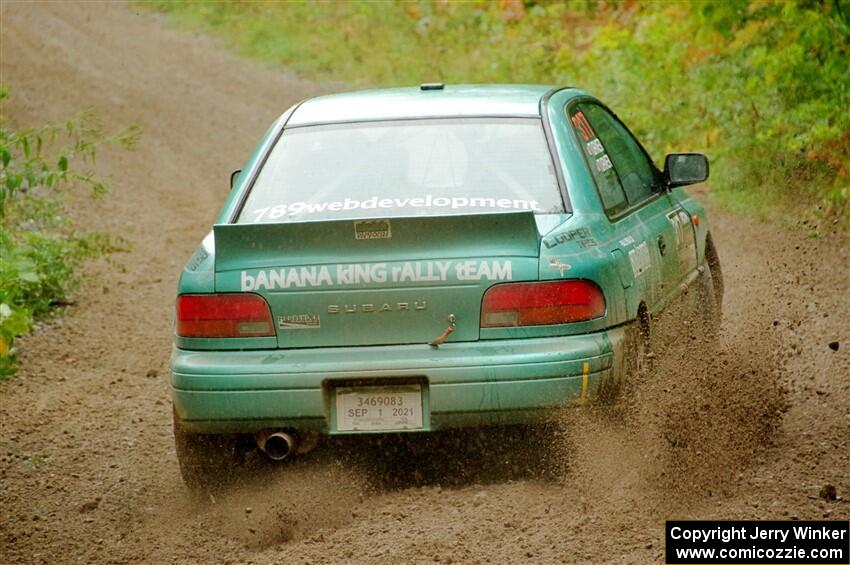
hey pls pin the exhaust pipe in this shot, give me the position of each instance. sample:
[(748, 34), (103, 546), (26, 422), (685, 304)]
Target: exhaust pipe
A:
[(276, 445)]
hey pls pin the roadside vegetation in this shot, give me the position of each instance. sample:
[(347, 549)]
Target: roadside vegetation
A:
[(762, 87), (40, 248)]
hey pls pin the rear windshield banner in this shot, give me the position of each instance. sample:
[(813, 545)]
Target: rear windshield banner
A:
[(392, 206)]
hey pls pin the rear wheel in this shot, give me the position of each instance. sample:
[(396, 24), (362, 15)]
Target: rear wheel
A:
[(206, 461)]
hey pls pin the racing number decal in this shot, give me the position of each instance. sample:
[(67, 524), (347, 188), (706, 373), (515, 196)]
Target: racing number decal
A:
[(583, 126), (686, 243)]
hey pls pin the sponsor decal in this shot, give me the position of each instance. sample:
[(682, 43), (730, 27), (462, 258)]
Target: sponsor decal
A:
[(626, 241), (372, 229), (555, 263), (603, 164), (582, 235), (299, 322), (198, 257), (428, 201), (370, 273), (639, 258), (594, 148)]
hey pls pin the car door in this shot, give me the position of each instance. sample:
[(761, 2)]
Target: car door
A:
[(648, 215)]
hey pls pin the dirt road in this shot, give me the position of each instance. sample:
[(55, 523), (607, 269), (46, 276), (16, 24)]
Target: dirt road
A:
[(87, 466)]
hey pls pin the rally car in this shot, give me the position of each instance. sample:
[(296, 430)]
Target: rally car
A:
[(417, 259)]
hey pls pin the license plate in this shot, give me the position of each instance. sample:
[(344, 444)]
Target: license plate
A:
[(379, 408)]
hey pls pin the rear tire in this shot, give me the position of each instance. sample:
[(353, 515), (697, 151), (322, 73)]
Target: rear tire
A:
[(207, 461)]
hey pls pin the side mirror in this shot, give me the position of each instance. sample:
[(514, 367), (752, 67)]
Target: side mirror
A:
[(682, 169), (234, 177)]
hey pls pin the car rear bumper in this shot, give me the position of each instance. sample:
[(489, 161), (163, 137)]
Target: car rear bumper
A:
[(464, 384)]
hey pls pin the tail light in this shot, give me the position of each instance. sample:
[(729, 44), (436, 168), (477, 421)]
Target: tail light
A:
[(541, 303), (223, 315)]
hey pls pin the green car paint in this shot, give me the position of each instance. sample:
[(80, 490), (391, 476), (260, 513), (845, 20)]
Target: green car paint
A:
[(468, 383), (641, 257)]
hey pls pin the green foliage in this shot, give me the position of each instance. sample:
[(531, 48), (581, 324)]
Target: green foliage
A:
[(762, 86), (39, 252), (24, 167)]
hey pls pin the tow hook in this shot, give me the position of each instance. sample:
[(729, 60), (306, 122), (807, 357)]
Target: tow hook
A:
[(441, 339)]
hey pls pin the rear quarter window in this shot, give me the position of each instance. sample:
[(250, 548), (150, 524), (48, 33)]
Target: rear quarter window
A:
[(607, 182), (636, 173)]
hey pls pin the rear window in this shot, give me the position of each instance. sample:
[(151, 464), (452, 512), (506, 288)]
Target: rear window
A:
[(423, 167)]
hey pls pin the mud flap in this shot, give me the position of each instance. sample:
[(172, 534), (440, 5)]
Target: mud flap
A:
[(610, 385)]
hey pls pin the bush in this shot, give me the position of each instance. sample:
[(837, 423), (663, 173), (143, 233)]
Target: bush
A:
[(39, 250)]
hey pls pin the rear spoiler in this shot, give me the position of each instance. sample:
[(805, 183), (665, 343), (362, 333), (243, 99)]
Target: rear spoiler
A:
[(256, 246)]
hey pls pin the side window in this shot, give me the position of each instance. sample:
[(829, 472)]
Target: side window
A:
[(636, 173), (610, 189)]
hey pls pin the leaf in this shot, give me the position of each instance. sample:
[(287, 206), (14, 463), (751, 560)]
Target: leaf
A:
[(29, 276), (17, 323), (63, 163)]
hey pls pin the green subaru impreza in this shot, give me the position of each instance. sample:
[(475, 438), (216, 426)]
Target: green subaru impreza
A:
[(417, 259)]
